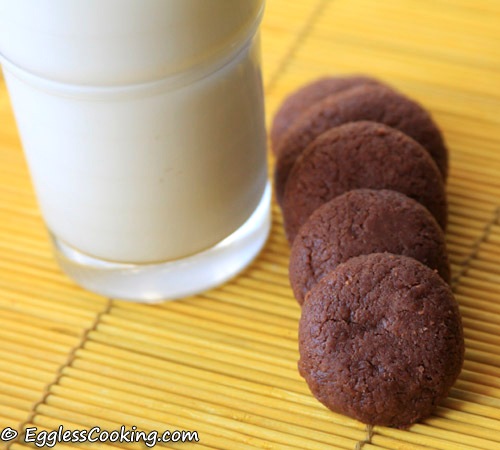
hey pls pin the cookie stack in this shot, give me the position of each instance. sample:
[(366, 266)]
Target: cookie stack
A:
[(360, 177)]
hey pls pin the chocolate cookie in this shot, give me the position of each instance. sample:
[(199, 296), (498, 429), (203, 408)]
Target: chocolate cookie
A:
[(368, 102), (361, 155), (381, 340), (302, 99), (361, 222)]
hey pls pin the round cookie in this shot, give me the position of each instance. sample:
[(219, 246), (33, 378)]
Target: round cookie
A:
[(302, 99), (361, 222), (381, 340), (361, 155), (367, 102)]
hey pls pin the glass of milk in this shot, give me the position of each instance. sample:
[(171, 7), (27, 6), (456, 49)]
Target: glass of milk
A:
[(142, 122)]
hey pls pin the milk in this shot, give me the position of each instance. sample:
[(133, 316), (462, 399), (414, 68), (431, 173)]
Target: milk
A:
[(121, 42), (143, 130)]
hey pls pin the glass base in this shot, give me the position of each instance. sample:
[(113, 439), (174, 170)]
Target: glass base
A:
[(152, 283)]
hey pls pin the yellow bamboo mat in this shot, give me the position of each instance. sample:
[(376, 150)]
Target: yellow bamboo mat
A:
[(224, 363)]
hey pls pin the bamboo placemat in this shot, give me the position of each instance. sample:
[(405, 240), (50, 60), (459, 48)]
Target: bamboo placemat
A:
[(224, 363)]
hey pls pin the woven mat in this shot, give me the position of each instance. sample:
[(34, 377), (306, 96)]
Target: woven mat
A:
[(224, 363)]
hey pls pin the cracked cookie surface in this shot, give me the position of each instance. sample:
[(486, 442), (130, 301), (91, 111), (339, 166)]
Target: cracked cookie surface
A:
[(360, 222), (381, 340), (302, 99), (368, 102), (361, 155)]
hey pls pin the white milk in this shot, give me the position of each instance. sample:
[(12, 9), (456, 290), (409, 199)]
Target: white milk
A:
[(168, 171), (111, 42), (143, 123)]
